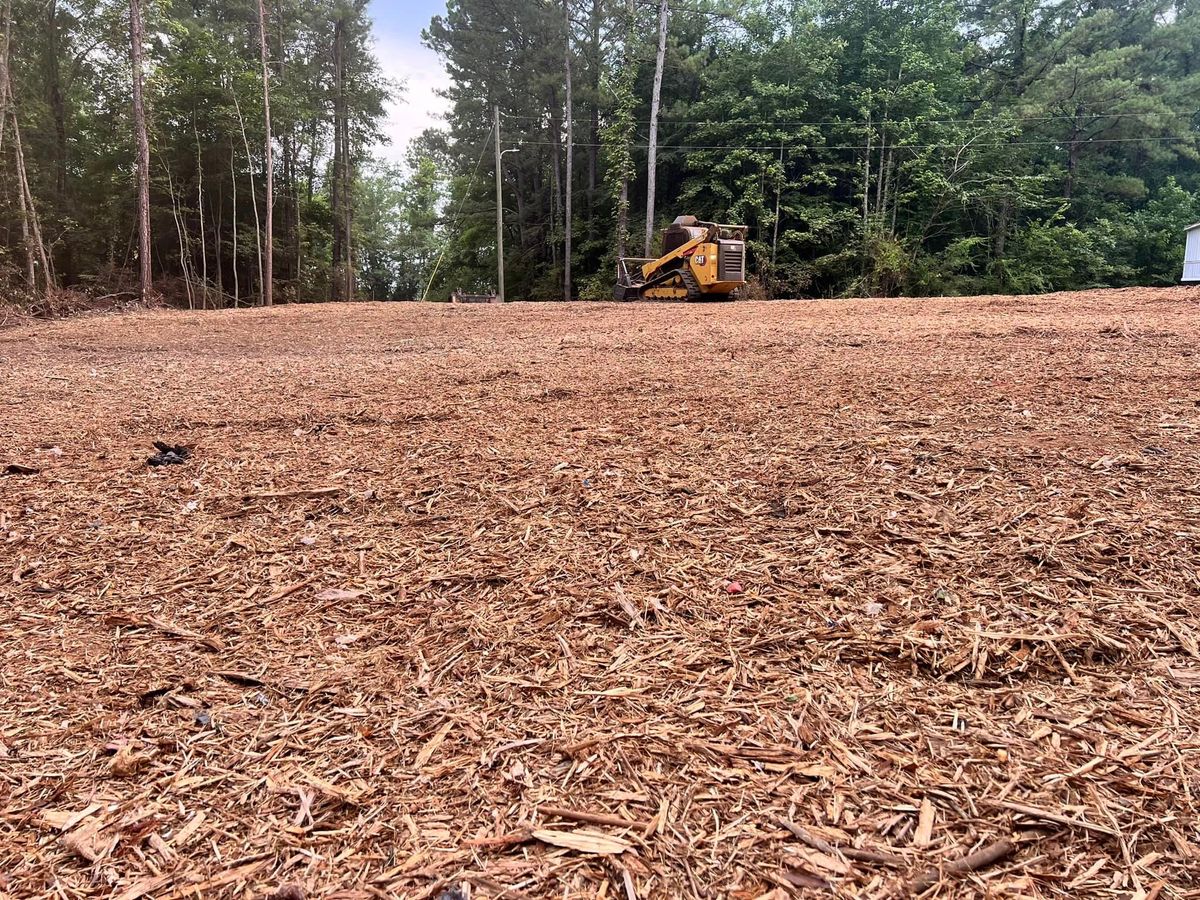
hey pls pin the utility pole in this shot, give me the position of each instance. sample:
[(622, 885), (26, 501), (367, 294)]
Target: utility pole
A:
[(499, 208)]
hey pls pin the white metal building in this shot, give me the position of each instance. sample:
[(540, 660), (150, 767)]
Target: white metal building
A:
[(1191, 255)]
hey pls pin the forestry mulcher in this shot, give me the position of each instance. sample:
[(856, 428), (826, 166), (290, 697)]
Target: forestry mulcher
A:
[(700, 261)]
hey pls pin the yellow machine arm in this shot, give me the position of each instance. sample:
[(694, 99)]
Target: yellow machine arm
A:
[(679, 252)]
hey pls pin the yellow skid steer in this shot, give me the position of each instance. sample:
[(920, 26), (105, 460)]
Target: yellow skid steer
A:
[(700, 261)]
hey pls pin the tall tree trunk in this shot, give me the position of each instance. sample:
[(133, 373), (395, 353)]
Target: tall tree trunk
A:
[(268, 161), (26, 241), (597, 62), (520, 199), (778, 207), (218, 220), (253, 195), (555, 174), (200, 211), (866, 208), (347, 193), (297, 250), (1018, 71), (136, 37), (567, 223), (337, 282), (58, 112), (289, 206), (288, 190), (889, 193), (5, 41), (54, 95), (185, 263), (339, 201), (30, 264), (1001, 235), (881, 175), (30, 223), (655, 97), (234, 220)]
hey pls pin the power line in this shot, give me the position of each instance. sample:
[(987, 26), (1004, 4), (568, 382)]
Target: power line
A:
[(821, 147), (458, 214), (854, 123)]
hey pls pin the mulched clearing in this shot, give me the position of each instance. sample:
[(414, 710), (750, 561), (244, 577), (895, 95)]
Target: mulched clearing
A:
[(595, 601)]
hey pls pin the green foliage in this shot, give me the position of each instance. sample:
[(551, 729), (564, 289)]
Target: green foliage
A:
[(1158, 232), (204, 96), (904, 147), (908, 147)]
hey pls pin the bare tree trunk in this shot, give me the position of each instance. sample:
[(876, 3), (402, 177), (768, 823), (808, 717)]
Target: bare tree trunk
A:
[(4, 48), (297, 243), (343, 214), (55, 97), (218, 220), (253, 195), (269, 162), (30, 270), (340, 201), (30, 265), (338, 281), (143, 149), (348, 196), (30, 224), (520, 208), (58, 111), (27, 243), (883, 177), (889, 187), (185, 263), (287, 194), (655, 97), (867, 177), (287, 143), (596, 60), (570, 155), (555, 175), (778, 206), (1001, 230), (881, 172), (200, 210), (233, 181)]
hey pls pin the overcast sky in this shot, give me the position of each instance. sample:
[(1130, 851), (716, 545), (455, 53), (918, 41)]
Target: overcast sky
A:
[(403, 57)]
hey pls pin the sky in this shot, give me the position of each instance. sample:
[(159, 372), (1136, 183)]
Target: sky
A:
[(404, 58)]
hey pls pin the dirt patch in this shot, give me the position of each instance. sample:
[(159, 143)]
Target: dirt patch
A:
[(602, 600)]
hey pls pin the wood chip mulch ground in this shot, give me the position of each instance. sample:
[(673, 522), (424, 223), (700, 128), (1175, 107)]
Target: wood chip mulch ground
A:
[(861, 599)]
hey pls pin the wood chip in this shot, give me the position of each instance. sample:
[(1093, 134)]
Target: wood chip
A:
[(816, 861), (431, 746), (924, 832), (510, 610), (583, 841)]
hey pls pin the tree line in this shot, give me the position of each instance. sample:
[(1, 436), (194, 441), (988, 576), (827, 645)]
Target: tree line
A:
[(871, 146), (218, 152)]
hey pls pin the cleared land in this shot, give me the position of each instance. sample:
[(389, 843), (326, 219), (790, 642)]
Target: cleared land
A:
[(786, 595)]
